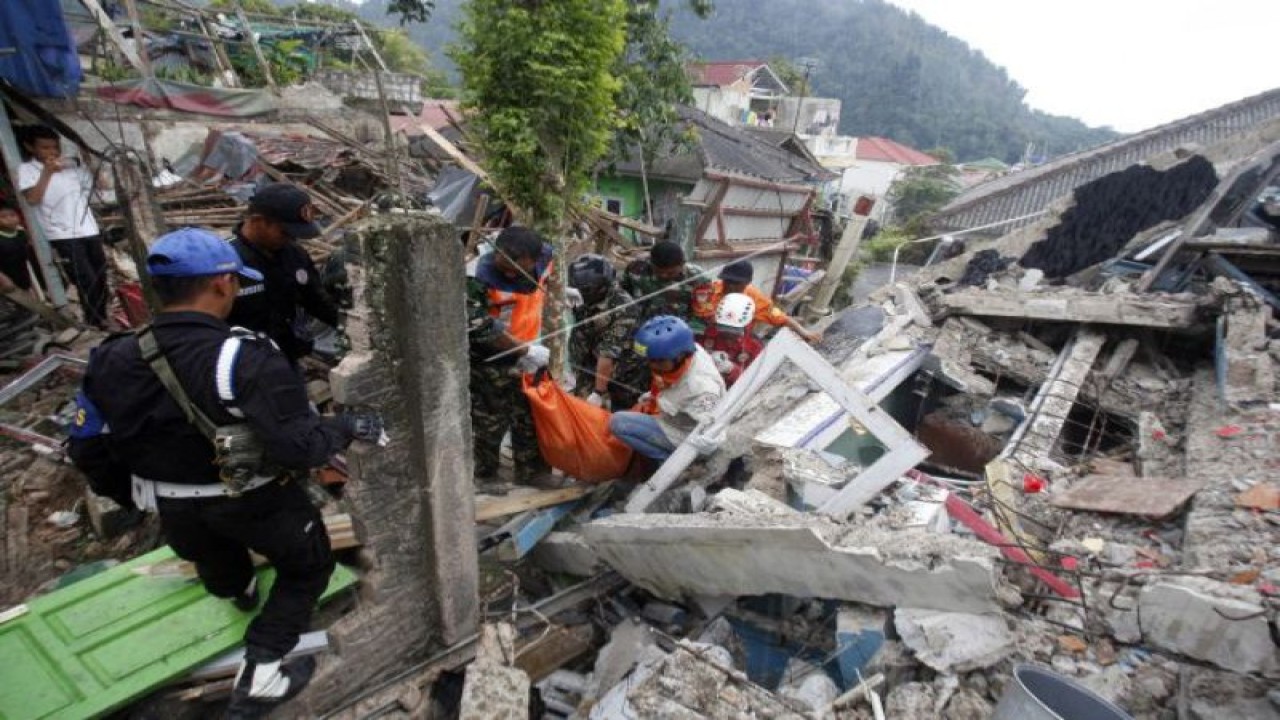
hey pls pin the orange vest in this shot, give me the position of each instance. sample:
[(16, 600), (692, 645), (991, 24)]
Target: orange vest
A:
[(520, 312), (766, 311)]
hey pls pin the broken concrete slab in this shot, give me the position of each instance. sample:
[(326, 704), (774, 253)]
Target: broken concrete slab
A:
[(628, 643), (1145, 497), (1155, 310), (493, 691), (728, 554), (954, 642), (698, 682), (566, 553), (1209, 620)]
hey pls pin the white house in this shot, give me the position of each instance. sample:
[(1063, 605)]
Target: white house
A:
[(737, 92)]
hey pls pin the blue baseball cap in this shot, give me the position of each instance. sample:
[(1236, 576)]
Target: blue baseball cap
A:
[(192, 252)]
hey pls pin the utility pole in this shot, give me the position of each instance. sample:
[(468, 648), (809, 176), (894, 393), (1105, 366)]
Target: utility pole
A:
[(809, 64)]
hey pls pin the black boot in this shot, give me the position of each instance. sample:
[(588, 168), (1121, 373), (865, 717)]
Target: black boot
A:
[(261, 686), (247, 601)]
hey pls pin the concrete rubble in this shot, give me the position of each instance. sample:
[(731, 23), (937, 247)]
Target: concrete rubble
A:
[(1063, 353)]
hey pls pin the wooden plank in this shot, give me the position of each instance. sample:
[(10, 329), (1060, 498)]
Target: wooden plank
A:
[(1149, 497), (712, 212), (453, 152), (117, 38), (257, 49), (504, 506), (135, 23), (546, 653)]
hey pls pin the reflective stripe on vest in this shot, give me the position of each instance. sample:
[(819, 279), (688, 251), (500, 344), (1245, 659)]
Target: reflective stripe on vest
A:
[(520, 312)]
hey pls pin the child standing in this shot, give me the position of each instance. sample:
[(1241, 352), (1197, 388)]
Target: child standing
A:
[(13, 249)]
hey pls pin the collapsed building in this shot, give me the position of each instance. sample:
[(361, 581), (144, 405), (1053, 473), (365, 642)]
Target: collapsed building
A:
[(1042, 467)]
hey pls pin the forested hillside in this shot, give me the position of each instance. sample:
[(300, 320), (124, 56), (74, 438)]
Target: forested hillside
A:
[(897, 76)]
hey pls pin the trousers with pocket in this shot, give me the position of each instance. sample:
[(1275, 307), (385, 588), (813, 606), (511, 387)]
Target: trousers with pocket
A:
[(278, 522), (86, 263)]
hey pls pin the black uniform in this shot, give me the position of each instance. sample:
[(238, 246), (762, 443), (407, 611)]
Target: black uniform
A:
[(291, 283), (149, 435)]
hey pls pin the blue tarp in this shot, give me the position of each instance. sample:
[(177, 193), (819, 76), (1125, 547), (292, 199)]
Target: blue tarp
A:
[(37, 54)]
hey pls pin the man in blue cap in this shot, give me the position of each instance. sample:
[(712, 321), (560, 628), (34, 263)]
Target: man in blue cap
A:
[(278, 216), (210, 426)]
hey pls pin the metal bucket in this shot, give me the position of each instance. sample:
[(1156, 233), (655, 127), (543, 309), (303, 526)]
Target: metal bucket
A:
[(1038, 694)]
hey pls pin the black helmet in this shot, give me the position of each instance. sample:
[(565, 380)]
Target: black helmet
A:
[(591, 275)]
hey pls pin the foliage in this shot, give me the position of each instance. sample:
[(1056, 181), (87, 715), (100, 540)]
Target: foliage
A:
[(540, 75), (896, 75), (922, 189), (411, 11), (880, 247), (791, 74), (653, 80), (256, 7), (287, 58)]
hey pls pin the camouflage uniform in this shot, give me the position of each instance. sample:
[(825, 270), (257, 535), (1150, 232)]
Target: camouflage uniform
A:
[(674, 297), (497, 401), (609, 336)]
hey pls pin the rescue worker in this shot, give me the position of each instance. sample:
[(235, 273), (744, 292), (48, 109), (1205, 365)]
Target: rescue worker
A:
[(150, 407), (505, 296), (683, 393), (667, 285), (736, 278), (600, 347), (277, 217), (729, 339)]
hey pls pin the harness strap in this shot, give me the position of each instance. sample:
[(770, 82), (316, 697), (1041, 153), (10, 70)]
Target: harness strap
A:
[(164, 372)]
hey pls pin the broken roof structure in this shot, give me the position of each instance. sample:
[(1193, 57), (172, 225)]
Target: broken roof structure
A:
[(1020, 194)]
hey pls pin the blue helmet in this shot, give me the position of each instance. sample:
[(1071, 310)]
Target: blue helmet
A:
[(665, 337)]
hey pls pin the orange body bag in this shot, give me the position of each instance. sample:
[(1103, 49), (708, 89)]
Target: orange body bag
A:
[(573, 435)]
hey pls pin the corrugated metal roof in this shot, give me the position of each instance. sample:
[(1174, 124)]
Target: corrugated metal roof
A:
[(730, 149), (1033, 189)]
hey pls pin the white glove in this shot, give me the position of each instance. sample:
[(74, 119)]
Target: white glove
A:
[(574, 297), (645, 397), (723, 363), (534, 358), (704, 442), (595, 399)]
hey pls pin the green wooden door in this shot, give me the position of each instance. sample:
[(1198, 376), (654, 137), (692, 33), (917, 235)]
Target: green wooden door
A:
[(89, 648)]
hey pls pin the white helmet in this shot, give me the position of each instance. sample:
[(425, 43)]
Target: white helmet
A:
[(735, 311)]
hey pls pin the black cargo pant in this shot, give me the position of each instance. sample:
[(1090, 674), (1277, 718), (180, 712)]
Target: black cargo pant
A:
[(278, 522), (86, 262)]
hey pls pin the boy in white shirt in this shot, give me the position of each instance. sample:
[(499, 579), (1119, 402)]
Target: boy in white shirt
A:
[(58, 189)]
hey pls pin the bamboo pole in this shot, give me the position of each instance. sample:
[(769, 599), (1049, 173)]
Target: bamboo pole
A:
[(257, 49)]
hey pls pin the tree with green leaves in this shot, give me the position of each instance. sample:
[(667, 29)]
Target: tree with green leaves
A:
[(921, 190), (540, 76)]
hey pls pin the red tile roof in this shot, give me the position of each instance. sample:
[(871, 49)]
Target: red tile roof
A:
[(721, 73), (432, 115), (880, 149)]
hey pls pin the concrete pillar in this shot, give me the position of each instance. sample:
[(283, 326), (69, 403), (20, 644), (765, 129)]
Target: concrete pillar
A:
[(412, 500)]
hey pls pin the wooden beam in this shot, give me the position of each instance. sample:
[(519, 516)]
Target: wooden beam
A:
[(504, 506), (711, 213), (1148, 310), (453, 152), (113, 33), (752, 182), (257, 49), (135, 22)]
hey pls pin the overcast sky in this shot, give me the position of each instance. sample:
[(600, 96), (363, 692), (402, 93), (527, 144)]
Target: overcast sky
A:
[(1130, 64)]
